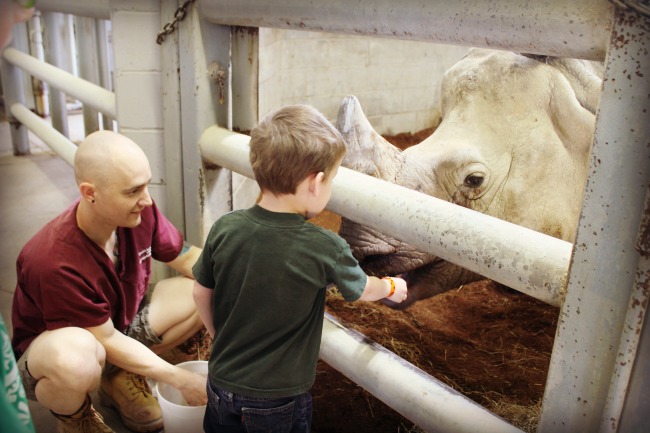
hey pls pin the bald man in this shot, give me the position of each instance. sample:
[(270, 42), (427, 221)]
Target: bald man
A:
[(78, 313)]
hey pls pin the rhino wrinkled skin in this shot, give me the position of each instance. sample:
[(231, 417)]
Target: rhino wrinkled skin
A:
[(514, 143)]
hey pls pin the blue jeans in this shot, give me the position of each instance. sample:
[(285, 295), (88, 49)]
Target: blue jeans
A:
[(235, 413)]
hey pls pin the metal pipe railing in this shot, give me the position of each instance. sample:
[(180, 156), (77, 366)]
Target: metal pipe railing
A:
[(91, 94), (577, 29), (427, 402), (410, 391), (50, 136), (520, 258)]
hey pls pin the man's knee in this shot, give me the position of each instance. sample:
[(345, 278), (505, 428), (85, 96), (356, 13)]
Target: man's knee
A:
[(66, 354)]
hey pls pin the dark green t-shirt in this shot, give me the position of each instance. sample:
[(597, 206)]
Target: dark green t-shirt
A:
[(269, 272)]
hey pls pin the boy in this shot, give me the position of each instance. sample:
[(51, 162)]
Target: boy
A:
[(261, 279)]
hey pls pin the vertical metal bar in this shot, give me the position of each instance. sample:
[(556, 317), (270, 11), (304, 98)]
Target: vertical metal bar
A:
[(629, 359), (203, 48), (41, 92), (245, 77), (634, 414), (55, 26), (86, 40), (605, 260), (105, 59), (171, 100), (245, 101), (12, 85)]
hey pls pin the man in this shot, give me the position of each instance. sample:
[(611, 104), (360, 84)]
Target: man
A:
[(77, 312)]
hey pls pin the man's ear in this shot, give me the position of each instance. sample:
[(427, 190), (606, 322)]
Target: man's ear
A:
[(87, 191)]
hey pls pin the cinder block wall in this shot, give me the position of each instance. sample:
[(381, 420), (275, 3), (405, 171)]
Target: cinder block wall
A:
[(137, 80), (396, 81)]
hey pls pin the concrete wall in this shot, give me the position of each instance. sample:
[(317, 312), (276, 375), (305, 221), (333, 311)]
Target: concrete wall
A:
[(137, 81), (397, 82)]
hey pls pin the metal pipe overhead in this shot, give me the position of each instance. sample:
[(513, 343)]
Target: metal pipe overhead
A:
[(50, 136), (430, 404), (520, 258), (85, 8), (85, 91), (577, 29)]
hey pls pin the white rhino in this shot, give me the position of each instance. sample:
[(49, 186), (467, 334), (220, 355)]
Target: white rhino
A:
[(514, 142)]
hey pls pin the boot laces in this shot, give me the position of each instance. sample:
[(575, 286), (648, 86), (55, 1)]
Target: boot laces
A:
[(138, 384), (92, 422)]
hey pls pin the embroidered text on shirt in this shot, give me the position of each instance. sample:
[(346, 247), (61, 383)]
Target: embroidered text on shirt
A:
[(144, 254)]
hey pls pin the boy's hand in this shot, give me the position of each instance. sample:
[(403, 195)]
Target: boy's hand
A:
[(401, 291)]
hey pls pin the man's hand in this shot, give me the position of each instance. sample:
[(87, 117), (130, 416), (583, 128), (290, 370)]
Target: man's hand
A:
[(193, 387)]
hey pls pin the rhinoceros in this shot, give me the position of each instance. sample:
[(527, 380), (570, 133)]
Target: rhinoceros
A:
[(514, 143)]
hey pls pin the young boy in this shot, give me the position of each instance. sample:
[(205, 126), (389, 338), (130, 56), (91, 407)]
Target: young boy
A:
[(261, 280)]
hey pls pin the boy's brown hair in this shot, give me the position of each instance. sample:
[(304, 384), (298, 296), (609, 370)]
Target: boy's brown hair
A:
[(290, 144)]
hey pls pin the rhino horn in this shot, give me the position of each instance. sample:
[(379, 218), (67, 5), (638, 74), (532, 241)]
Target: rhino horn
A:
[(367, 151)]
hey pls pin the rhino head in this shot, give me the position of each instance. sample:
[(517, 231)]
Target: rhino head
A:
[(513, 143)]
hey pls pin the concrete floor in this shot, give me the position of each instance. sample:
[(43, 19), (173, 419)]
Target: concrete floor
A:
[(34, 189)]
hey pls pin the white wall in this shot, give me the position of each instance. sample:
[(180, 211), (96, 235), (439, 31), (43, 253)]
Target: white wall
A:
[(396, 81), (137, 81)]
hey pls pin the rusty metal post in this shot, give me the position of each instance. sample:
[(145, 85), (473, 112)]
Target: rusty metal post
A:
[(605, 260)]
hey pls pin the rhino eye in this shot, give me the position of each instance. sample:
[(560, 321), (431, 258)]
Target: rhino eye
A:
[(473, 181)]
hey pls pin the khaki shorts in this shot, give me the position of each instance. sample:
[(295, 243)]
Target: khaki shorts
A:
[(139, 330)]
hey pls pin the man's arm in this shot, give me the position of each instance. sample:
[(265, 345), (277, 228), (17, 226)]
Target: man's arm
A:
[(185, 260), (131, 355)]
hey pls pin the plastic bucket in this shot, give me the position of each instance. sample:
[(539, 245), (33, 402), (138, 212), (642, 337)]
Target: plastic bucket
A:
[(177, 415)]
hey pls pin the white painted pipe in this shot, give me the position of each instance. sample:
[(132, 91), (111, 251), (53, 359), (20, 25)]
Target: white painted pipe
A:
[(626, 354), (554, 27), (520, 258), (50, 136), (427, 402), (91, 94), (86, 8)]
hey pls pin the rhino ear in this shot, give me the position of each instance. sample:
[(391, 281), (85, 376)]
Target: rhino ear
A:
[(367, 151), (585, 78)]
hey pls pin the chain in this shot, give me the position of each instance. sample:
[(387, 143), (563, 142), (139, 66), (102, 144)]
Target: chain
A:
[(640, 6), (170, 27)]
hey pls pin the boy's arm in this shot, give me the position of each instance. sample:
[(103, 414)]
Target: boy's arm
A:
[(203, 300), (377, 288)]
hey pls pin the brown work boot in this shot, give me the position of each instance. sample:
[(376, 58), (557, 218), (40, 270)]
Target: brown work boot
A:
[(131, 396), (85, 420)]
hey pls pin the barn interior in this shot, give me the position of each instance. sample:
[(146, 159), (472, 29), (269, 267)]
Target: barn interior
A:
[(189, 92)]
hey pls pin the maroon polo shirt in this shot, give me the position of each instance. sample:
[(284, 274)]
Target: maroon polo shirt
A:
[(65, 279)]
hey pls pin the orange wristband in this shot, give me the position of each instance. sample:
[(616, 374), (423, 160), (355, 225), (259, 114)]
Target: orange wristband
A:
[(392, 285)]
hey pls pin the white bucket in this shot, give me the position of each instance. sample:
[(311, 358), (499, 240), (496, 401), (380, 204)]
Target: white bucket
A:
[(177, 415)]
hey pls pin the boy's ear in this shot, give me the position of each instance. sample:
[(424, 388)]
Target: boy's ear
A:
[(87, 191), (315, 182)]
